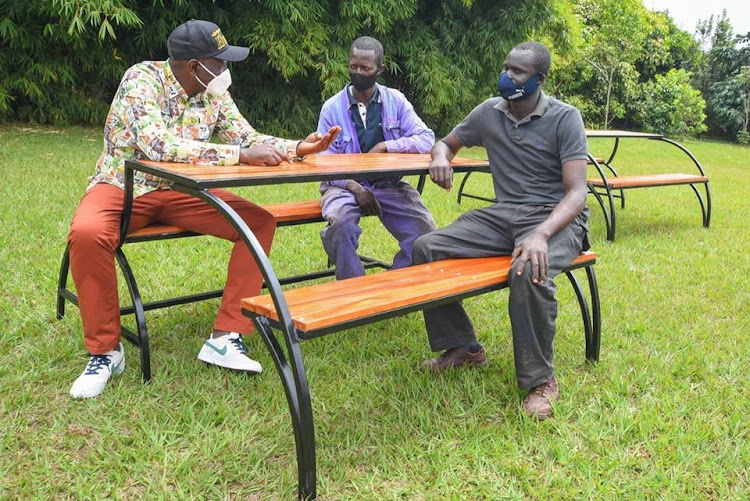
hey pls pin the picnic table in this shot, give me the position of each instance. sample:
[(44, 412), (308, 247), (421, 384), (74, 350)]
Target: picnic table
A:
[(346, 303)]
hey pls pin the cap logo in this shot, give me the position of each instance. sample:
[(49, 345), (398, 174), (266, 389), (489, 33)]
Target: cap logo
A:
[(221, 42)]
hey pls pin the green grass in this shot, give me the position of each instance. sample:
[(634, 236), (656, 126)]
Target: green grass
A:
[(664, 415)]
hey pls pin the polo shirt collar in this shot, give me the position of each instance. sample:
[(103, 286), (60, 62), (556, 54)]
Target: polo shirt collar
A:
[(352, 100), (538, 111)]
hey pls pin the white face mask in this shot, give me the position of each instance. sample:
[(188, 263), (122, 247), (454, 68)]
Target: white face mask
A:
[(220, 82)]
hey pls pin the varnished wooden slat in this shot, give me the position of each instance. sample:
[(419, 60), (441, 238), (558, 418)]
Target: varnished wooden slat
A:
[(156, 230), (284, 213), (295, 211), (347, 165), (323, 305), (646, 181), (621, 134), (439, 277)]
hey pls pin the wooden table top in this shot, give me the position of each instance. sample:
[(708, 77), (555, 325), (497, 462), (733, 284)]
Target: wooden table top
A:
[(313, 168), (622, 134)]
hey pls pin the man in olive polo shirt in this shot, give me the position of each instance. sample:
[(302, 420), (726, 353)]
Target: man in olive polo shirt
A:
[(537, 151)]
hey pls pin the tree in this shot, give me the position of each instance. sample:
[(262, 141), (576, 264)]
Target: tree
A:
[(722, 77), (613, 33), (61, 60), (729, 102), (671, 106)]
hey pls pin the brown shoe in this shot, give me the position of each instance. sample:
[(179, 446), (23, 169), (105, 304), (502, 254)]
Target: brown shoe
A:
[(538, 403), (455, 357)]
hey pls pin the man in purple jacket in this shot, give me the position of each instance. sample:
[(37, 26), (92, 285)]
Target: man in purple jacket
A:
[(373, 119)]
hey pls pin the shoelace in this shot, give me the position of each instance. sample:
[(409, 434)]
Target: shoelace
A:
[(237, 342), (97, 363), (542, 389)]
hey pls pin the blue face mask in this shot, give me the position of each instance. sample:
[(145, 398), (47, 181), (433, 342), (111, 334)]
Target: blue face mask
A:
[(513, 92)]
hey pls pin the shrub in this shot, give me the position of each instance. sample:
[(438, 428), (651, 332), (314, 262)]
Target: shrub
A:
[(671, 106)]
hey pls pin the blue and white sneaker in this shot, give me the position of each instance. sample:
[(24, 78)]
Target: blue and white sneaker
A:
[(229, 352), (98, 371)]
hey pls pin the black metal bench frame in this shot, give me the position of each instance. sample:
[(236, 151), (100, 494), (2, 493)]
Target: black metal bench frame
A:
[(291, 369), (139, 337), (138, 308)]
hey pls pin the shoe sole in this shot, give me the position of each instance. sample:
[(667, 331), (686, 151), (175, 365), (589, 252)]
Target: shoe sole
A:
[(469, 364), (219, 362)]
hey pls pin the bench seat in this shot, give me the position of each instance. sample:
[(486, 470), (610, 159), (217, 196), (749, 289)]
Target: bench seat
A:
[(322, 308), (286, 214), (624, 182)]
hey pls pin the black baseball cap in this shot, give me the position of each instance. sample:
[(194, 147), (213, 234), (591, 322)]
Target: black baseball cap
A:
[(198, 39)]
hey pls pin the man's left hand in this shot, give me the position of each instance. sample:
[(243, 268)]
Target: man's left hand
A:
[(317, 142), (532, 251)]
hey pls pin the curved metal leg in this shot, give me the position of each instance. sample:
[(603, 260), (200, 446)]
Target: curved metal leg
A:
[(609, 216), (62, 283), (705, 206), (586, 316), (306, 468), (139, 313), (461, 187), (707, 209), (599, 199), (707, 219), (592, 350), (611, 222), (421, 182)]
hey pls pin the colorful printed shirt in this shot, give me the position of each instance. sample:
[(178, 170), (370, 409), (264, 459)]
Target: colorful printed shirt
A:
[(153, 118)]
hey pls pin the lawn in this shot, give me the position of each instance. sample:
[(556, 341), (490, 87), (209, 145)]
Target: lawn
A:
[(663, 415)]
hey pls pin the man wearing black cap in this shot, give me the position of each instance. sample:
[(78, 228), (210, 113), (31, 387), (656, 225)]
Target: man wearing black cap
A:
[(168, 111)]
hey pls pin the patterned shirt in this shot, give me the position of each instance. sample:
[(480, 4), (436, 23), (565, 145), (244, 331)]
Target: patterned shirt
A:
[(153, 118)]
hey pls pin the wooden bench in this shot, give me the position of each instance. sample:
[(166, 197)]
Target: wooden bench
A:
[(605, 186), (609, 185), (286, 214), (321, 309)]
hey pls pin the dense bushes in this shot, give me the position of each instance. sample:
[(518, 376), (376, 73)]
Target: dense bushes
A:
[(61, 60)]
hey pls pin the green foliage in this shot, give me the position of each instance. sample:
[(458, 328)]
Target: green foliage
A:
[(58, 59), (671, 106), (729, 102), (604, 73), (61, 60)]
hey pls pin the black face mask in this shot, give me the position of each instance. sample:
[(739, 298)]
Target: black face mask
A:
[(363, 82)]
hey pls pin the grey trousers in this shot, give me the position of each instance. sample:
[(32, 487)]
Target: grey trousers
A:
[(532, 308)]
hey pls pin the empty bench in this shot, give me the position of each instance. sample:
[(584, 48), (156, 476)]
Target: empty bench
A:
[(322, 309), (609, 185), (604, 187), (286, 214)]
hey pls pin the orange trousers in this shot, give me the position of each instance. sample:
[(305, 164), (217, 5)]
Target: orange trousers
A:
[(94, 235)]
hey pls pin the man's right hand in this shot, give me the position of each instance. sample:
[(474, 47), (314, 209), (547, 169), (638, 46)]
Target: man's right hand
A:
[(365, 199), (263, 154), (442, 153), (441, 172)]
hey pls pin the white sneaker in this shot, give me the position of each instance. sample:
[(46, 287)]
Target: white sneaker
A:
[(98, 371), (229, 352)]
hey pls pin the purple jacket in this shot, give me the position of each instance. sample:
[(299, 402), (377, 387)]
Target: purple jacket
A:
[(403, 130)]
